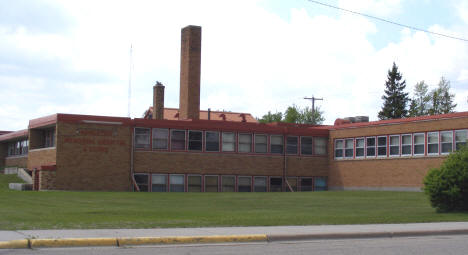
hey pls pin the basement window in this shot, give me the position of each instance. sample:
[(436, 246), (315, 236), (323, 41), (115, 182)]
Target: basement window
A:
[(260, 143), (460, 139), (370, 147), (292, 181), (446, 141), (178, 140), (245, 142), (229, 141), (177, 182), (195, 140), (320, 145), (306, 184), (228, 183), (142, 138), (394, 145), (160, 138), (433, 143), (320, 183), (276, 184), (382, 146), (211, 183), (159, 183), (244, 184), (260, 184), (194, 183), (359, 147), (141, 181), (276, 145), (291, 145), (418, 144), (211, 141), (406, 145), (306, 145)]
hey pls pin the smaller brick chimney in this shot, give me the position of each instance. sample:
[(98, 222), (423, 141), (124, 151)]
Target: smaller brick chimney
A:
[(158, 101)]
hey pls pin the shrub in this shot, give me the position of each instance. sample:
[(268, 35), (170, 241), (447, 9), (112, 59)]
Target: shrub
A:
[(447, 186)]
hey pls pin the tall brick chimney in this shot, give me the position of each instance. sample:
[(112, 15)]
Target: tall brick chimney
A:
[(190, 59), (158, 101)]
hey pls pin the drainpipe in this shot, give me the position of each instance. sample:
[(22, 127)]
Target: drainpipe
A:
[(132, 148), (285, 167)]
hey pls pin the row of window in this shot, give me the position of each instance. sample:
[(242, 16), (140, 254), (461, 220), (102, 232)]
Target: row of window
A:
[(18, 148), (214, 141), (225, 183), (401, 145)]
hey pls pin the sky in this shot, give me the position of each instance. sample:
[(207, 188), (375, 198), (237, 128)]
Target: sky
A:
[(257, 55)]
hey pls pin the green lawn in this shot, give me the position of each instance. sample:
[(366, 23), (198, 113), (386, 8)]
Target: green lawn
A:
[(59, 210)]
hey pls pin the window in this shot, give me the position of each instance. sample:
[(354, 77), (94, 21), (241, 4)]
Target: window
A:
[(211, 183), (228, 183), (18, 148), (177, 182), (359, 147), (291, 145), (292, 181), (244, 184), (178, 140), (320, 145), (49, 138), (195, 140), (160, 138), (141, 181), (194, 183), (320, 183), (142, 138), (418, 144), (306, 184), (460, 139), (339, 147), (260, 184), (370, 147), (276, 145), (159, 182), (433, 143), (382, 146), (446, 141), (229, 141), (306, 145), (406, 145), (394, 145), (245, 142), (211, 141), (260, 143), (276, 184), (349, 148)]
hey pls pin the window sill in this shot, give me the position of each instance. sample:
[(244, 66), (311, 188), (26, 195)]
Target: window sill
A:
[(42, 149)]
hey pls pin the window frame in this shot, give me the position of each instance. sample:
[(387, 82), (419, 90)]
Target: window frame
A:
[(153, 139), (455, 137), (266, 183), (222, 183), (201, 140), (311, 146), (311, 184), (172, 137), (410, 145), (297, 144), (382, 146), (276, 177), (244, 176), (346, 140), (239, 142), (424, 145), (390, 146), (217, 182), (266, 143), (201, 182), (234, 142), (363, 147), (314, 144), (271, 144), (452, 137), (438, 143), (337, 149), (135, 136), (147, 182), (166, 184), (374, 147), (184, 184), (206, 141)]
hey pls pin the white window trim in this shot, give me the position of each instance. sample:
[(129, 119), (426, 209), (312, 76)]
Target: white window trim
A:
[(411, 145), (342, 149), (375, 147), (233, 143), (167, 180), (441, 143), (455, 137), (379, 146), (271, 144), (438, 143), (255, 144), (390, 146), (414, 144), (167, 139), (239, 143), (363, 147), (185, 182), (135, 134), (213, 175)]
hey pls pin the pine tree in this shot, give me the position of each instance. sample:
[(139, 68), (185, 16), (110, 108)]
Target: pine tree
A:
[(395, 99)]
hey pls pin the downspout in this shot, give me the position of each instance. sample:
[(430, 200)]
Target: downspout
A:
[(285, 167), (132, 148)]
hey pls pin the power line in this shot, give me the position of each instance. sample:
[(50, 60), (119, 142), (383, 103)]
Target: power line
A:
[(388, 21)]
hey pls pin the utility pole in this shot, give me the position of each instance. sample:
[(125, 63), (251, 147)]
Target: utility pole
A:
[(313, 105)]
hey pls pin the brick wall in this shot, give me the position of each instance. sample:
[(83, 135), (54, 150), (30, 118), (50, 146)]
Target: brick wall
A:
[(3, 154), (93, 157), (40, 157), (19, 161), (47, 180), (386, 173)]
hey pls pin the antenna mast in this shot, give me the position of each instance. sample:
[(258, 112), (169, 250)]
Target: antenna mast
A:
[(130, 79)]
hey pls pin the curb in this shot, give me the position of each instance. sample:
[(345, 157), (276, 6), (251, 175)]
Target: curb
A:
[(129, 241)]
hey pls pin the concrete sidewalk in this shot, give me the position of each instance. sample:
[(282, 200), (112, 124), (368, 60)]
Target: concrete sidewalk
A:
[(272, 233)]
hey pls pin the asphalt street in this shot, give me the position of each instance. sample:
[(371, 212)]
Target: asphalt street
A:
[(428, 245)]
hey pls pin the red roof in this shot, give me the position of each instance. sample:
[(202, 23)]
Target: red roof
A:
[(14, 135), (173, 114), (4, 132), (399, 121)]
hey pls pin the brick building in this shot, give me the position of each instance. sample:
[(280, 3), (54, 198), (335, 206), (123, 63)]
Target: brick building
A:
[(186, 149)]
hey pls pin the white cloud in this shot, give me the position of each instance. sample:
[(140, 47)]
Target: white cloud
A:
[(381, 8)]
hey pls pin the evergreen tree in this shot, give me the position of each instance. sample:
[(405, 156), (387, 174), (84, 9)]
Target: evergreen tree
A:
[(420, 103), (395, 99)]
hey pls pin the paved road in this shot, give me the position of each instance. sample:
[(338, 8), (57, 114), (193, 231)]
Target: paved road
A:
[(428, 245)]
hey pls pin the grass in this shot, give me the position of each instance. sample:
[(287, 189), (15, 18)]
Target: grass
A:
[(65, 210)]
